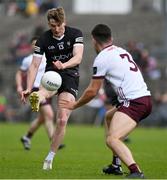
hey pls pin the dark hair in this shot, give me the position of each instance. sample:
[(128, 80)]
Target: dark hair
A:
[(57, 14), (34, 38), (101, 33)]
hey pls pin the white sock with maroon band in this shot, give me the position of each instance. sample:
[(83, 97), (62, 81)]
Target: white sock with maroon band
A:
[(50, 156)]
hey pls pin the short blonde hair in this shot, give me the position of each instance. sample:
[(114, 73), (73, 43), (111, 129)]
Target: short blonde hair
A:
[(57, 14)]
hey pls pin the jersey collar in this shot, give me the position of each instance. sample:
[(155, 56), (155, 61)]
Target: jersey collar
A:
[(60, 38), (107, 46)]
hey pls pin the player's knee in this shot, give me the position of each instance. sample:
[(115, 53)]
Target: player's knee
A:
[(50, 116), (62, 122), (111, 140)]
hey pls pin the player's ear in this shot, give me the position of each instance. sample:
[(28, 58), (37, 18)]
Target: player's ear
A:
[(93, 40)]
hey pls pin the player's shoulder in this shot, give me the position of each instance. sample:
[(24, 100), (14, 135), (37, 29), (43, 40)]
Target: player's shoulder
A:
[(100, 58), (72, 30), (107, 52), (115, 50), (47, 34), (27, 58), (26, 62)]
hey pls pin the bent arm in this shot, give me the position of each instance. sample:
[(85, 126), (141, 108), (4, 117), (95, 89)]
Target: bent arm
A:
[(77, 56)]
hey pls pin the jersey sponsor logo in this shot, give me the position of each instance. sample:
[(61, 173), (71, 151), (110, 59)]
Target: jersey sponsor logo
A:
[(61, 45), (51, 47), (79, 39), (94, 70), (68, 43), (62, 56)]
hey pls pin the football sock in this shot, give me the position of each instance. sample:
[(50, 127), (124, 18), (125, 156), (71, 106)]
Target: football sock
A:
[(50, 156), (134, 168), (116, 161), (29, 135)]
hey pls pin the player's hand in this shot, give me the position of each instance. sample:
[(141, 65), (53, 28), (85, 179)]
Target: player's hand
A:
[(24, 95), (67, 104), (19, 91), (58, 65)]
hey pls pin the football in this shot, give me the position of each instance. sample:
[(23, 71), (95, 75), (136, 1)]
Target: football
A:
[(51, 80)]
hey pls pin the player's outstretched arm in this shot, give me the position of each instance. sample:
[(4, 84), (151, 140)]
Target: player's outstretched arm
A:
[(90, 92)]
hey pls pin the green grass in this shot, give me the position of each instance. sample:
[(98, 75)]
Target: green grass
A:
[(84, 156)]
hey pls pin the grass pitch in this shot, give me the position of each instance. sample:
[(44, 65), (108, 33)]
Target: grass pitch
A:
[(83, 157)]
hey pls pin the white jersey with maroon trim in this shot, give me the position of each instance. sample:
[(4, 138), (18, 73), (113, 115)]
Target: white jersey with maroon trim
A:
[(26, 64), (117, 66)]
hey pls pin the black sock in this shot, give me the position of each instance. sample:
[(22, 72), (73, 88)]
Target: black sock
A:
[(133, 168), (116, 161), (29, 135)]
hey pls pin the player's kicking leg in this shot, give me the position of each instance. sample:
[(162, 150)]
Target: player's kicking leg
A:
[(34, 101), (39, 96)]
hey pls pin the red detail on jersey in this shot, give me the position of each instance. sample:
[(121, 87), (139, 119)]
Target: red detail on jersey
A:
[(98, 77), (110, 49), (135, 68)]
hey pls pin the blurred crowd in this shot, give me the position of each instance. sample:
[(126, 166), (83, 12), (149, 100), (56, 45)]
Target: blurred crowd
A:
[(28, 8), (20, 45), (146, 62)]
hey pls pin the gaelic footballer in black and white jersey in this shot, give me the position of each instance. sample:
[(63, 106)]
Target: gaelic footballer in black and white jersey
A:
[(63, 48), (59, 49)]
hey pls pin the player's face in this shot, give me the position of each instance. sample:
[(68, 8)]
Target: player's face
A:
[(56, 28), (33, 44)]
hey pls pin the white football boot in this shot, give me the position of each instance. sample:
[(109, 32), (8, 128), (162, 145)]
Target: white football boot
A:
[(47, 165)]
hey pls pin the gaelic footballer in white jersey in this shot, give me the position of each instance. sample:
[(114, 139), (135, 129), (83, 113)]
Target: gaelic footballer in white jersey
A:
[(117, 66)]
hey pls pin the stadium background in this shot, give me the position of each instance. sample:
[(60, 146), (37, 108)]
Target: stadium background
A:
[(144, 22)]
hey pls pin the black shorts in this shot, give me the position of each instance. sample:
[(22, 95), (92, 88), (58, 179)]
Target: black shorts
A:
[(112, 97), (69, 84)]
